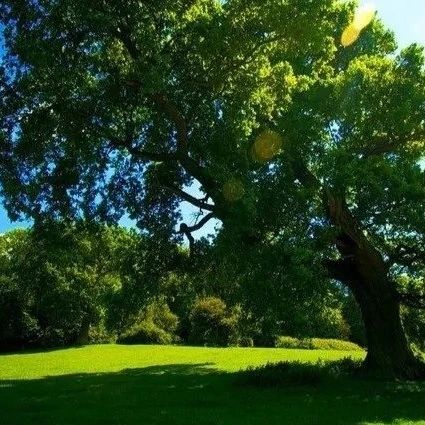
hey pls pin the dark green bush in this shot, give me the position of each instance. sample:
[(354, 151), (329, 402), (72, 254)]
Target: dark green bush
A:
[(297, 373), (245, 341), (159, 313), (212, 323), (100, 335), (331, 324), (414, 324), (156, 324), (353, 316), (316, 344), (145, 332)]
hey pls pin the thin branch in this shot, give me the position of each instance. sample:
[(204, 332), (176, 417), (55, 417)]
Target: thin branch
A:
[(164, 104), (162, 157), (184, 228), (200, 225), (124, 36), (385, 144), (189, 198), (406, 255)]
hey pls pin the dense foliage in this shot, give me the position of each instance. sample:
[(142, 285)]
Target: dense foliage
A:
[(71, 284), (57, 283)]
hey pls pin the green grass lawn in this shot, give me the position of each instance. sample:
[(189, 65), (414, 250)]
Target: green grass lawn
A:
[(126, 385)]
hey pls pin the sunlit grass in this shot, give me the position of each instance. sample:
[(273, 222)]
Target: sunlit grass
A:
[(113, 358), (126, 385)]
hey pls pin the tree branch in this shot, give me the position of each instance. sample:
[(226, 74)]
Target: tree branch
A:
[(198, 226), (385, 144), (405, 255), (163, 103), (334, 204), (184, 228), (188, 163), (189, 198)]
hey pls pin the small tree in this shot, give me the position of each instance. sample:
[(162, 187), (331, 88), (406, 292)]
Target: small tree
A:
[(211, 323)]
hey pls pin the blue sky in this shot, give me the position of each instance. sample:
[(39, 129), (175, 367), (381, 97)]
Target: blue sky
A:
[(405, 17)]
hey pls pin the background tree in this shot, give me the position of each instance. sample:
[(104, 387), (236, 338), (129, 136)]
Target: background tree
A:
[(117, 107), (57, 283)]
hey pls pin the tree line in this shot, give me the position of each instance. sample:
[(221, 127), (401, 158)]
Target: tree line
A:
[(63, 285)]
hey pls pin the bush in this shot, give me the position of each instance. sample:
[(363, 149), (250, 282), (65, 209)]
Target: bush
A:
[(156, 324), (145, 332), (212, 324), (290, 342), (316, 344), (297, 373), (353, 317), (329, 323), (160, 314), (334, 344), (245, 341), (100, 335)]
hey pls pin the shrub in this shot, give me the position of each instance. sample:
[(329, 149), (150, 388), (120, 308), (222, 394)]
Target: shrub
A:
[(145, 332), (330, 323), (291, 342), (156, 324), (333, 344), (414, 324), (100, 335), (211, 323), (160, 314), (245, 341), (297, 373), (353, 317), (316, 344)]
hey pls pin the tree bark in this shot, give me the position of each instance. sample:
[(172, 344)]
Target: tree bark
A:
[(363, 269), (388, 351)]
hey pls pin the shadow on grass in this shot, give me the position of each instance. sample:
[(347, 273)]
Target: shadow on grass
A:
[(197, 394), (4, 351)]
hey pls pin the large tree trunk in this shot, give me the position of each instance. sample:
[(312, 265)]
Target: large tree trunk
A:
[(388, 351), (363, 269)]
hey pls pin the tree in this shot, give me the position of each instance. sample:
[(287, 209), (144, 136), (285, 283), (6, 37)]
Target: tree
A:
[(57, 282), (212, 323), (18, 328), (113, 107)]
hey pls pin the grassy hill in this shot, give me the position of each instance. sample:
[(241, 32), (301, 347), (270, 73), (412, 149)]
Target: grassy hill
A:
[(126, 385)]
